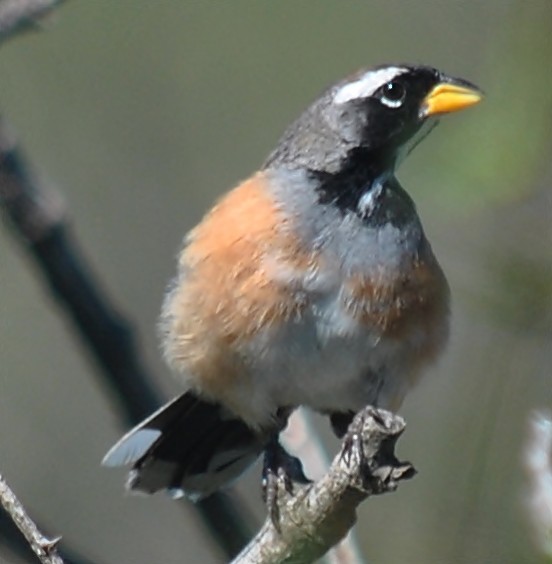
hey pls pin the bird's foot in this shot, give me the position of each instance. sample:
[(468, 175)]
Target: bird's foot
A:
[(280, 471), (353, 448)]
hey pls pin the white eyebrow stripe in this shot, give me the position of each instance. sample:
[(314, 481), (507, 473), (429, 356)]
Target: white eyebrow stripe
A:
[(367, 84)]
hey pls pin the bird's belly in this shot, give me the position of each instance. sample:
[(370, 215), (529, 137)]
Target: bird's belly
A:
[(336, 373), (331, 360)]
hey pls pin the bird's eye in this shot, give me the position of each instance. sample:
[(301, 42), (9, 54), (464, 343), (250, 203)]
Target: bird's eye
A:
[(393, 94)]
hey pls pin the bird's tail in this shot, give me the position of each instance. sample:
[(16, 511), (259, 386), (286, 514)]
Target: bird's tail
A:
[(189, 447)]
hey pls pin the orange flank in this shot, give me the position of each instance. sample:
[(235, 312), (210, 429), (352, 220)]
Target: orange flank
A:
[(228, 295)]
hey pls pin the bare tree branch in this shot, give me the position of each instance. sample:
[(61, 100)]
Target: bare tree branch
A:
[(43, 547), (17, 16), (36, 214), (302, 439), (318, 516)]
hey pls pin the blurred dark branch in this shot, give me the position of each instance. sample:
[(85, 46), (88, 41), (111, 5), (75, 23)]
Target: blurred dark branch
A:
[(23, 15), (36, 215), (318, 516), (44, 548)]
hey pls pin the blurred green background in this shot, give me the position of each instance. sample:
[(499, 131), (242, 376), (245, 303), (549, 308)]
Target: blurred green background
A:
[(142, 113)]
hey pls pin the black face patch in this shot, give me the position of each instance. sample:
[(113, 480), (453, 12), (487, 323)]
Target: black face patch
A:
[(392, 113)]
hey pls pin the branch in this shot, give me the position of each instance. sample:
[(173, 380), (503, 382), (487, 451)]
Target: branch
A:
[(318, 516), (303, 440), (17, 16), (37, 216), (43, 547)]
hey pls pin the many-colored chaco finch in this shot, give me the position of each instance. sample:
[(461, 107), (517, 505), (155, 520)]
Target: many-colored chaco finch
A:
[(311, 283)]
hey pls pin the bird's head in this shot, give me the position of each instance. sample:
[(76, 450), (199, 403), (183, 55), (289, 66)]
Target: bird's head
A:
[(381, 112)]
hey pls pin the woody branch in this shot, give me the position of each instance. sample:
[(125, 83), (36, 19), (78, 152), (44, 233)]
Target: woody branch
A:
[(36, 215), (318, 516)]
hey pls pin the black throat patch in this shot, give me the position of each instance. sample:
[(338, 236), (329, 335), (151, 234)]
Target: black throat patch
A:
[(366, 187), (345, 188)]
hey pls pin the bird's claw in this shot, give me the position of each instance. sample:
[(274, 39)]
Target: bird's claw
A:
[(280, 471)]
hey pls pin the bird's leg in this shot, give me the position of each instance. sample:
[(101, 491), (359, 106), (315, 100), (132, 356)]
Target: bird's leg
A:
[(279, 465)]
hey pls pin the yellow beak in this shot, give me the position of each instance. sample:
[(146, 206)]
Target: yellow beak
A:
[(449, 97)]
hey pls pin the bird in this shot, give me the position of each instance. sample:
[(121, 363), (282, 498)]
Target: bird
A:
[(311, 283)]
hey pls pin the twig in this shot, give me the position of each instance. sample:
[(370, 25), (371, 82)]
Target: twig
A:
[(17, 16), (303, 440), (318, 516), (43, 547)]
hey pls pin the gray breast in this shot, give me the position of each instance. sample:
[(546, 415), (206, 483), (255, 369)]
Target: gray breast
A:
[(330, 358), (380, 237)]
